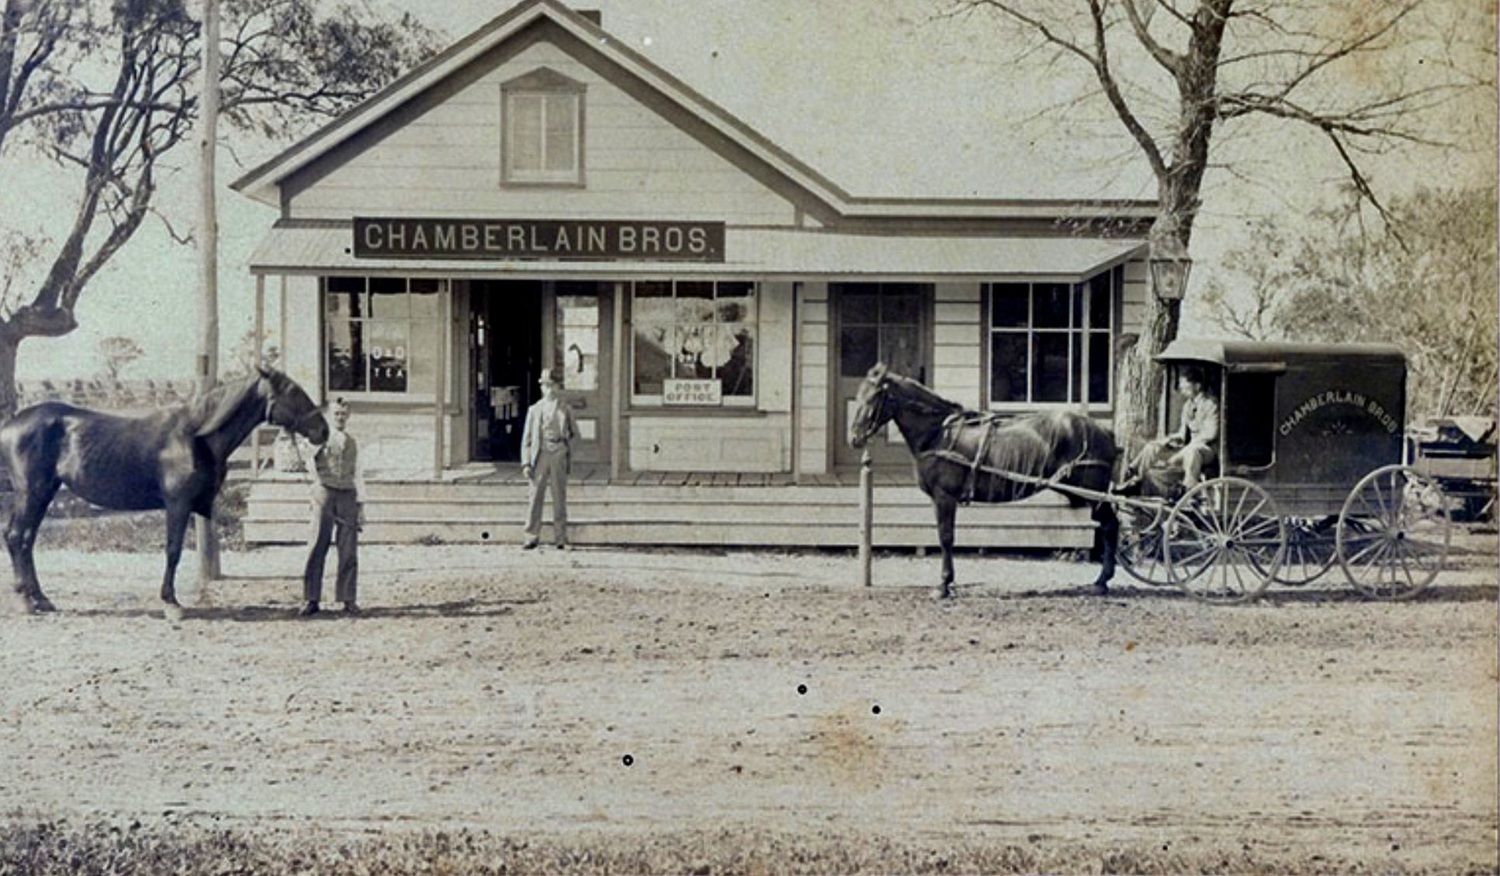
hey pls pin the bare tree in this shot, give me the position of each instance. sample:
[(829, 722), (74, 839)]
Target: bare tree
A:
[(1178, 74), (107, 90)]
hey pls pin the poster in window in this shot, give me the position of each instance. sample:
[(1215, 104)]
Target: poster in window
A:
[(389, 350)]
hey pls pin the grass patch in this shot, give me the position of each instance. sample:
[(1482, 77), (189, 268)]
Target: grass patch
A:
[(54, 848)]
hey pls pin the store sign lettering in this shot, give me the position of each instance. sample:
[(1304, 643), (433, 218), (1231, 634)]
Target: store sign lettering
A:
[(691, 392), (1339, 397), (580, 239)]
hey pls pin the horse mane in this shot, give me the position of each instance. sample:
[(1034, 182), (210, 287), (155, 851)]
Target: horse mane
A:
[(205, 411), (920, 396)]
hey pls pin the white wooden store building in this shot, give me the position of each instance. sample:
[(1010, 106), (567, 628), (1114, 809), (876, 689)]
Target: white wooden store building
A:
[(539, 195)]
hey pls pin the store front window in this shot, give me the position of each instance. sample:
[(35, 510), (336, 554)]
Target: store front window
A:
[(1052, 343), (693, 343), (382, 334)]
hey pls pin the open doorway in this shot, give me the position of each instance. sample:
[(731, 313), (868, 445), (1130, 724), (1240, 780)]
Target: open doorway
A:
[(505, 337)]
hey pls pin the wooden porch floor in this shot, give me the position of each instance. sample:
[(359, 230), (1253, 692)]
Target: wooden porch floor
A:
[(503, 474)]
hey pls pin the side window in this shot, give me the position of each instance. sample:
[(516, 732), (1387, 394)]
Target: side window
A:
[(1052, 343), (541, 117), (693, 331), (380, 334)]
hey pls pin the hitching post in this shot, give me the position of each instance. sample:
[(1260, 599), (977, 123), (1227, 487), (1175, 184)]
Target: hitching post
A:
[(866, 515)]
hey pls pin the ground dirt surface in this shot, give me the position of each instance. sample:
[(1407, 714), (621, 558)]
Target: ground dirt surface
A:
[(598, 696)]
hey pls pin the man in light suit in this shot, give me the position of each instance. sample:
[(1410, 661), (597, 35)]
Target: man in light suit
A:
[(546, 451)]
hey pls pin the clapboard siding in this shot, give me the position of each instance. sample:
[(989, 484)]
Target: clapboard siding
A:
[(446, 162)]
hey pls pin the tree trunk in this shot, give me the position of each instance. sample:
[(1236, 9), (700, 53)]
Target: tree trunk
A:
[(10, 345)]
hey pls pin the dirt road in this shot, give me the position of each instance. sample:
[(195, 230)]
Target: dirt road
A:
[(601, 693)]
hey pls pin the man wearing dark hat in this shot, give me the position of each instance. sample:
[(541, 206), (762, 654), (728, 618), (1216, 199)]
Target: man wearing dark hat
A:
[(336, 513), (546, 448)]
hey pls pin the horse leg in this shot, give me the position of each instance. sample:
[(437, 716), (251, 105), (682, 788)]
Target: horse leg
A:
[(1107, 543), (30, 506), (178, 515), (947, 511)]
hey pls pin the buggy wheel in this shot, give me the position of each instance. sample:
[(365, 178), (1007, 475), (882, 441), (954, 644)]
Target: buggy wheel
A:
[(1140, 551), (1224, 540), (1394, 532), (1310, 552)]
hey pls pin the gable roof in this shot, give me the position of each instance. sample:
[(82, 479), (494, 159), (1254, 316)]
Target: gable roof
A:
[(261, 183)]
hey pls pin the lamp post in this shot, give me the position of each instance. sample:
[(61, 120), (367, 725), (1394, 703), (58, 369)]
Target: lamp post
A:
[(1169, 266)]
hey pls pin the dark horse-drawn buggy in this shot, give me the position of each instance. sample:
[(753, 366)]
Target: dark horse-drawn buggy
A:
[(1307, 471)]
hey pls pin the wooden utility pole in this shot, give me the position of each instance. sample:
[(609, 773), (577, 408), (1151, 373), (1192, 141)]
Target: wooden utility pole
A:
[(208, 254)]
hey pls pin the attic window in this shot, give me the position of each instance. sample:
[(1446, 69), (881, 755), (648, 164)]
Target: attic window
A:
[(542, 118)]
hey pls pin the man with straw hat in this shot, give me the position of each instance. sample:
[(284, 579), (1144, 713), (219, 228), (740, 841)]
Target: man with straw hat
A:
[(546, 450)]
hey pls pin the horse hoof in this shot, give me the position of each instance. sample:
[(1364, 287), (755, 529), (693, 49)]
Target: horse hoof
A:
[(42, 605), (1101, 589), (173, 612)]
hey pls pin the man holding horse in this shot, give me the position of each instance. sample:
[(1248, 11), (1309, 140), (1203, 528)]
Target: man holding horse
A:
[(337, 514)]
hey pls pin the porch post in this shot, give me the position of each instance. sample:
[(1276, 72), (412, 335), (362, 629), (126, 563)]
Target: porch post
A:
[(622, 383), (440, 392), (260, 349)]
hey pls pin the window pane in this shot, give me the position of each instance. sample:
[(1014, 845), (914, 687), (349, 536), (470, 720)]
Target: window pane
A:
[(736, 302), (693, 349), (1101, 304), (524, 125), (1052, 305), (1008, 367), (859, 307), (900, 348), (695, 302), (346, 356), (653, 303), (859, 350), (904, 307), (653, 363), (578, 341), (425, 300), (388, 298), (389, 349), (1010, 305), (1049, 367), (737, 374), (421, 360), (345, 297), (1099, 358), (562, 137)]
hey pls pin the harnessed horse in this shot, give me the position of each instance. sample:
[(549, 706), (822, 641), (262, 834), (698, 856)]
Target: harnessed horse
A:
[(963, 456), (173, 459)]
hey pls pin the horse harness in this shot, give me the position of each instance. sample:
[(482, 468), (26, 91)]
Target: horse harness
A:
[(950, 453)]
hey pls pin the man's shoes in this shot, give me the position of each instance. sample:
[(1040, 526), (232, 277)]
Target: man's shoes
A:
[(351, 607), (562, 546), (309, 609), (529, 545)]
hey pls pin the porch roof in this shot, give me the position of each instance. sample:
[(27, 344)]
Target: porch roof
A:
[(755, 253)]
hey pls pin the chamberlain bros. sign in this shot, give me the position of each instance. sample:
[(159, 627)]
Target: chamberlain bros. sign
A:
[(538, 239)]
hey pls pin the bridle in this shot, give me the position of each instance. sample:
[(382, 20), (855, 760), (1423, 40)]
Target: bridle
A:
[(275, 403), (878, 400)]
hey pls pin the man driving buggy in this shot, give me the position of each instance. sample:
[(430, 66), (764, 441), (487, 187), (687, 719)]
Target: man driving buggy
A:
[(1188, 449)]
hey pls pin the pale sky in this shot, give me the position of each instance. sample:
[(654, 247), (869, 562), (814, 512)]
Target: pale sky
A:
[(882, 98)]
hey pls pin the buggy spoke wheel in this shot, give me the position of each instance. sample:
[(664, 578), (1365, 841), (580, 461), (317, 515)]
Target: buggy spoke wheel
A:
[(1393, 533), (1224, 541), (1310, 552), (1140, 553)]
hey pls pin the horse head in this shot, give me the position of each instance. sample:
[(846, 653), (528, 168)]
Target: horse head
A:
[(289, 407), (872, 409)]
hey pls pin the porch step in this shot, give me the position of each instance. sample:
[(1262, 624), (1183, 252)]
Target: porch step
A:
[(614, 514)]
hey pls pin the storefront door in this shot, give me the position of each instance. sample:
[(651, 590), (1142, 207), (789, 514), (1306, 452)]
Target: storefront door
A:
[(505, 337), (518, 328), (877, 322), (579, 322)]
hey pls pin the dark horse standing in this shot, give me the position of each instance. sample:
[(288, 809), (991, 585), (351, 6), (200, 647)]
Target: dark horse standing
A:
[(173, 459), (961, 455)]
